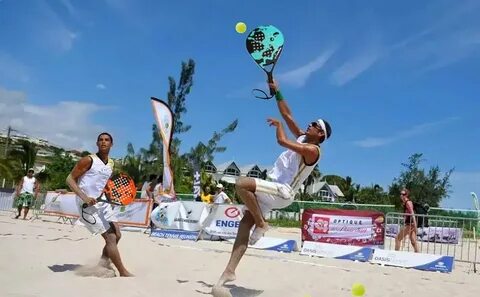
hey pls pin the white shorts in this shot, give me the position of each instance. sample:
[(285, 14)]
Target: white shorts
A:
[(97, 218), (272, 195)]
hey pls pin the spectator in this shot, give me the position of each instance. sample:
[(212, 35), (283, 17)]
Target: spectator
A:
[(410, 221), (220, 196), (27, 192), (146, 185), (206, 196)]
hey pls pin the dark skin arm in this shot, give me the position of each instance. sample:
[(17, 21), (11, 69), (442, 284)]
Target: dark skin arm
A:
[(287, 114), (72, 180), (308, 151)]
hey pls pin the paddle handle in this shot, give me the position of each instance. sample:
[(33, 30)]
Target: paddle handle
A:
[(270, 81)]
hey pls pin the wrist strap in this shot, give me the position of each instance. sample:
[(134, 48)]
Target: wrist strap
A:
[(279, 96)]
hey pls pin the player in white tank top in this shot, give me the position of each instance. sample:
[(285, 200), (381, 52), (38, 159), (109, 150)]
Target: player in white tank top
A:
[(290, 170), (88, 180), (26, 193)]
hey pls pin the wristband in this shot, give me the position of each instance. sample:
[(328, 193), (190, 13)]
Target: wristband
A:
[(279, 96)]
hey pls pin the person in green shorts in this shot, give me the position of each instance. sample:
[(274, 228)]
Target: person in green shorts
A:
[(27, 191)]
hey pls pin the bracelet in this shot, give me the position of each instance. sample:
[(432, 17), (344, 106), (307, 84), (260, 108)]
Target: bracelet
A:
[(279, 96)]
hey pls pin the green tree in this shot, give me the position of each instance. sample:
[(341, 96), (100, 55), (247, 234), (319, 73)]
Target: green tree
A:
[(372, 195), (131, 164), (315, 175), (59, 167), (26, 154), (425, 186)]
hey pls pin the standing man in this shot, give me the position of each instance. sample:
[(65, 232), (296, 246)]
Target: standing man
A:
[(27, 192), (290, 170), (220, 196), (88, 179), (410, 219)]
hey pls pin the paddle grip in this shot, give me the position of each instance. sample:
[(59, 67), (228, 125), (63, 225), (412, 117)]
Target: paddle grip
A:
[(270, 81)]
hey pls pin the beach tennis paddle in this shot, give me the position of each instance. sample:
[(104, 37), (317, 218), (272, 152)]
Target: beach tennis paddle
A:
[(265, 44), (119, 190)]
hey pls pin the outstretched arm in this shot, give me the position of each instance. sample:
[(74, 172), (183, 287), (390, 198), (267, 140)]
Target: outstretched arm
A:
[(308, 151), (286, 113)]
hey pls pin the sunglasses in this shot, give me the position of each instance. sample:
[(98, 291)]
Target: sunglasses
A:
[(315, 125), (403, 194)]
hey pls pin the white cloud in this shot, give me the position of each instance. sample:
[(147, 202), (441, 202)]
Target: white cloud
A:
[(354, 67), (12, 69), (101, 86), (66, 123), (452, 37), (299, 76), (370, 142)]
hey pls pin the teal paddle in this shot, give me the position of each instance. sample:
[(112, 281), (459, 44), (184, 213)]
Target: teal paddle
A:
[(265, 44)]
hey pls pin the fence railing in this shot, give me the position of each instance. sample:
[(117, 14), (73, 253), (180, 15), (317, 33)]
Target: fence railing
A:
[(6, 200), (441, 235)]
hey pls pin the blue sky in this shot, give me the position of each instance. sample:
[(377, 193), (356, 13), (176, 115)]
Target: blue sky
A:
[(393, 78)]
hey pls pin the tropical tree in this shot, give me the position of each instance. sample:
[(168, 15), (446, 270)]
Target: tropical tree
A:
[(26, 154), (131, 163), (425, 186), (314, 176), (58, 168)]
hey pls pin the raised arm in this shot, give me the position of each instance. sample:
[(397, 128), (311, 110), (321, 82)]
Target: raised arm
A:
[(309, 151), (286, 113), (72, 180)]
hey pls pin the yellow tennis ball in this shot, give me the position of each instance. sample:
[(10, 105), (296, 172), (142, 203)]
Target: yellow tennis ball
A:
[(358, 289), (240, 27)]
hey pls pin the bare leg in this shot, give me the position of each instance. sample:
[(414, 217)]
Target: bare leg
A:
[(400, 236), (111, 250), (25, 211), (245, 188), (239, 248), (413, 239), (19, 211)]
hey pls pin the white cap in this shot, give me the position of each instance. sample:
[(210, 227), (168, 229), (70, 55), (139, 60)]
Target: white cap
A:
[(220, 186)]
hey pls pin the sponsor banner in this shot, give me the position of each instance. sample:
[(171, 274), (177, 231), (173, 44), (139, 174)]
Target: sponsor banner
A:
[(180, 215), (223, 220), (164, 118), (273, 244), (196, 181), (136, 213), (164, 214), (175, 234), (65, 205), (61, 204), (430, 234), (191, 215), (345, 227), (337, 251), (419, 261)]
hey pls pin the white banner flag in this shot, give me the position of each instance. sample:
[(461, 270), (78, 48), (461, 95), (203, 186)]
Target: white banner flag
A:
[(164, 118)]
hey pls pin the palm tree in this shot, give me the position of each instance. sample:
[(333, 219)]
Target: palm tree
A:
[(132, 163), (26, 154), (314, 176)]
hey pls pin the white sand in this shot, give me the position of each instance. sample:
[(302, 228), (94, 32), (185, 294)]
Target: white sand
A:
[(39, 258)]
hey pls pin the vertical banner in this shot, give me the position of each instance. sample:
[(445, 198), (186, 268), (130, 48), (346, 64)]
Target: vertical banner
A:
[(164, 118), (347, 227), (196, 181)]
